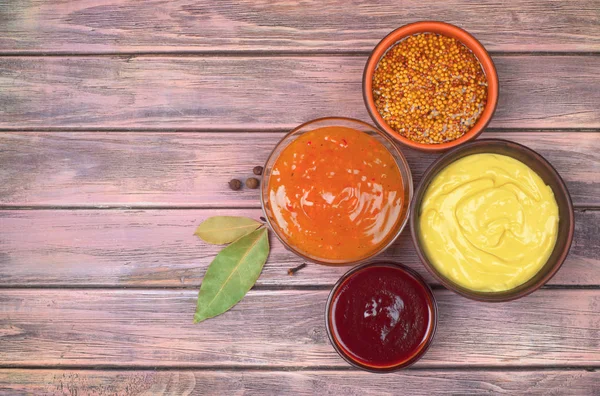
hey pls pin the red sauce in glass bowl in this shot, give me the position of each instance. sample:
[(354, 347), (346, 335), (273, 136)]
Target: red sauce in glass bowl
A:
[(381, 316)]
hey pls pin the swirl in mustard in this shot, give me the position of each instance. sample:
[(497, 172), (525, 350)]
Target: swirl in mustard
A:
[(488, 222)]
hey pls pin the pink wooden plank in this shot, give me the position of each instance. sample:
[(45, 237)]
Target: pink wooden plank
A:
[(261, 92), (285, 328), (178, 25), (192, 169), (227, 382), (157, 248)]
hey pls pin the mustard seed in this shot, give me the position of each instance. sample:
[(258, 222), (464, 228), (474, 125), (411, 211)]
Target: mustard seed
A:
[(430, 88)]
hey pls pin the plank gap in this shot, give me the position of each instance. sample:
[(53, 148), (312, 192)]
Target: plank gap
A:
[(578, 207), (259, 287), (255, 53), (251, 129), (233, 368)]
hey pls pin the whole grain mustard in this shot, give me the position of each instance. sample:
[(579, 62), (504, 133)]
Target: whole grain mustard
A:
[(488, 222), (430, 88)]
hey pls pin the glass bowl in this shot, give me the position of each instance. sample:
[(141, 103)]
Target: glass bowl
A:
[(388, 143), (409, 359)]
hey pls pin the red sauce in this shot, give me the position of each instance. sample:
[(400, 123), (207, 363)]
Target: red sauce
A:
[(382, 317)]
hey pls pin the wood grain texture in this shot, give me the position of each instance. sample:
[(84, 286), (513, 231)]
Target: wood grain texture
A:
[(224, 382), (193, 169), (257, 66), (49, 26), (261, 92), (284, 328), (157, 248)]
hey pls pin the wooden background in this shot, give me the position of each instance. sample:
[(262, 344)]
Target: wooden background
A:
[(121, 123)]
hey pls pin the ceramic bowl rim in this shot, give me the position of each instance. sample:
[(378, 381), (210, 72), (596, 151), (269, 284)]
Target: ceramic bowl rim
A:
[(450, 30)]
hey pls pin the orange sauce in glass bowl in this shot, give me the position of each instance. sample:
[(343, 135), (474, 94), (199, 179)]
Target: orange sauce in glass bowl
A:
[(336, 194)]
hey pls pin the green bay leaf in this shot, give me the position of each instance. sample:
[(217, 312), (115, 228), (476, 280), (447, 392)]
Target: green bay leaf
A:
[(231, 274), (219, 230)]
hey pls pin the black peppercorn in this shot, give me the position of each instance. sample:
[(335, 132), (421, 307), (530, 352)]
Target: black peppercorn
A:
[(258, 170), (252, 182), (235, 184)]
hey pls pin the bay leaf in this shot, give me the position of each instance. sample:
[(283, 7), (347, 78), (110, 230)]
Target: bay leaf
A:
[(219, 230), (231, 274)]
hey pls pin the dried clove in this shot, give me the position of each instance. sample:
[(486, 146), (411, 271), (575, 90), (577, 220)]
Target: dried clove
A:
[(292, 271)]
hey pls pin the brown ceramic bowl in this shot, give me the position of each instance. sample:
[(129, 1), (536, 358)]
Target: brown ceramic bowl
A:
[(402, 272), (444, 29), (548, 174)]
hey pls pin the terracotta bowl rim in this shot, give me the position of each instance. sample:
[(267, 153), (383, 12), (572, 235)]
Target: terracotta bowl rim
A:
[(434, 316), (445, 29), (558, 187)]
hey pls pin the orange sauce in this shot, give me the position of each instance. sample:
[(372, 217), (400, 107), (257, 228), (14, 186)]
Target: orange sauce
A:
[(336, 193)]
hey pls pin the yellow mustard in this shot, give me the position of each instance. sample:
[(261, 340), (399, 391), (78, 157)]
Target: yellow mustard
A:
[(488, 222)]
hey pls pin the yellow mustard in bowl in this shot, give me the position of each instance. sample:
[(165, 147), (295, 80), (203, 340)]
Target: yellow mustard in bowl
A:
[(488, 222)]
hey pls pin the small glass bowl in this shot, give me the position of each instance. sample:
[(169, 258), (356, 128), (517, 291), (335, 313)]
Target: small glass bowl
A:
[(389, 144), (431, 328)]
